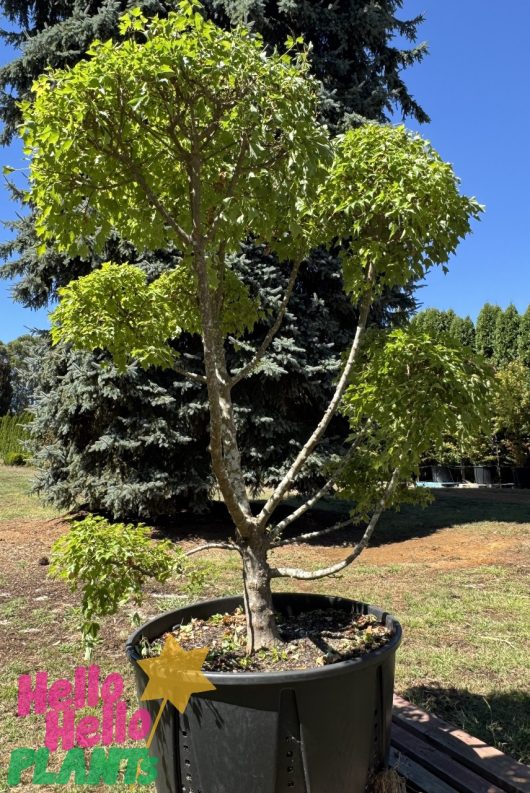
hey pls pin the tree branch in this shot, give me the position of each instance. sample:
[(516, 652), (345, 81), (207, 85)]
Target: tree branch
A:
[(273, 330), (302, 509), (226, 458), (311, 575), (225, 546), (196, 378), (315, 438), (311, 535)]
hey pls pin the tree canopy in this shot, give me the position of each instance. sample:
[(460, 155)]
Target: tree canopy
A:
[(191, 141), (215, 139), (355, 54)]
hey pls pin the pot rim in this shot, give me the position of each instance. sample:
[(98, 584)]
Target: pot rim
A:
[(288, 676)]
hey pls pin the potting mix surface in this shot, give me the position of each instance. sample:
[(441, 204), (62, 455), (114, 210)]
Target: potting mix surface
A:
[(308, 640)]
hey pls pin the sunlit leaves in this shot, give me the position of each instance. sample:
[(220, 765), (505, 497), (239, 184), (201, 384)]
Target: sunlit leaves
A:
[(115, 309), (110, 562), (394, 203), (113, 141), (412, 391)]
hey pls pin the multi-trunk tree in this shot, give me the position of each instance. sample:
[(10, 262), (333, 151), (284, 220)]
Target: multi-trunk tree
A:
[(191, 137), (94, 426)]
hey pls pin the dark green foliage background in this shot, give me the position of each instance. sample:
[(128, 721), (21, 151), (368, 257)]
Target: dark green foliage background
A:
[(6, 388)]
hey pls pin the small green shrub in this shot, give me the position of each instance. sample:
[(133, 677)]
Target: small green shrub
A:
[(13, 433), (15, 458), (110, 563)]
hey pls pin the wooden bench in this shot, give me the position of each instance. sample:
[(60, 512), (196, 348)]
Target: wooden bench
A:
[(436, 757)]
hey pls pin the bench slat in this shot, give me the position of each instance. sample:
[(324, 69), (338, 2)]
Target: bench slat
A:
[(486, 761), (440, 765), (422, 779)]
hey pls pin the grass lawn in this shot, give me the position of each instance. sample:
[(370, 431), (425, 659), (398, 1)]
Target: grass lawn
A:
[(456, 575)]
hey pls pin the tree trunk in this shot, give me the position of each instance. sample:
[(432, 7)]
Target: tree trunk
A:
[(261, 624)]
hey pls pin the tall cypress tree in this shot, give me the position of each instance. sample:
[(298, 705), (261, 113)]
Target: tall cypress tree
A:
[(523, 347), (434, 321), (485, 329), (506, 336), (463, 330), (6, 390), (88, 439)]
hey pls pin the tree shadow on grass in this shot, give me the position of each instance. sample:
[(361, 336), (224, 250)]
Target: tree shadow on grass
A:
[(449, 508), (500, 719)]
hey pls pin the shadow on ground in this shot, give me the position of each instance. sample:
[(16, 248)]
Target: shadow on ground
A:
[(499, 719), (449, 508)]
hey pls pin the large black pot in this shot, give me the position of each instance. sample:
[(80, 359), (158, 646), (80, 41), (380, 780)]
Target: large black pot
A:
[(485, 474), (316, 731), (442, 474), (521, 477)]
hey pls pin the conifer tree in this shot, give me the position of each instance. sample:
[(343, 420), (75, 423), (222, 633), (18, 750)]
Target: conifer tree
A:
[(506, 336), (434, 321), (6, 390), (463, 330), (361, 70), (523, 347), (485, 329), (25, 357)]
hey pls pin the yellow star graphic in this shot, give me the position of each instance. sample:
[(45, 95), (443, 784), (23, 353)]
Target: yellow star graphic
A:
[(175, 675)]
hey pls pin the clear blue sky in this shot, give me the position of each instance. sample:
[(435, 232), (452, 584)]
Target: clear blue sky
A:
[(474, 86)]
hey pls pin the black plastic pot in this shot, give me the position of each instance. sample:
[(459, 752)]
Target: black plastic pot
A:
[(315, 731), (442, 474), (484, 474), (521, 477)]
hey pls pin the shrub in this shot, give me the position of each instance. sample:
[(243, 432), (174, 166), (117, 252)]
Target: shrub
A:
[(13, 433), (15, 458)]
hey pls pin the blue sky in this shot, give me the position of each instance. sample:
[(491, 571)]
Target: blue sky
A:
[(473, 85)]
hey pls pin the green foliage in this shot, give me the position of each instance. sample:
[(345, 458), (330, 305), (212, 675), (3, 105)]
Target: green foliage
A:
[(6, 390), (15, 458), (114, 308), (117, 137), (523, 342), (506, 336), (135, 445), (120, 444), (243, 153), (13, 435), (485, 329), (463, 330), (110, 562), (412, 392), (512, 410), (432, 321), (25, 358), (395, 203)]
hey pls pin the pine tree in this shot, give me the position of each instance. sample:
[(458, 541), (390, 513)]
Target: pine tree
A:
[(25, 356), (361, 69), (506, 336), (6, 390), (523, 348), (485, 329)]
